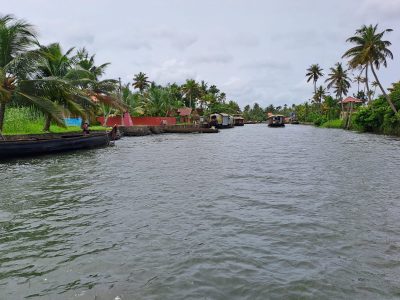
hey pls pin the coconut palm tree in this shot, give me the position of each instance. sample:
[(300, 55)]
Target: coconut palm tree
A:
[(320, 93), (359, 79), (16, 65), (370, 51), (87, 62), (192, 91), (374, 84), (339, 80), (314, 72), (140, 82), (57, 67)]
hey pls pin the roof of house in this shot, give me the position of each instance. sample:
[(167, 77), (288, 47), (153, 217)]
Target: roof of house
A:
[(184, 111), (352, 99)]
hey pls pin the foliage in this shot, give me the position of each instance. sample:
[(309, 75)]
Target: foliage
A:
[(29, 120), (370, 51), (336, 123), (378, 117)]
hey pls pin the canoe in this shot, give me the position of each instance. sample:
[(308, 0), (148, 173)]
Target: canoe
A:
[(31, 145)]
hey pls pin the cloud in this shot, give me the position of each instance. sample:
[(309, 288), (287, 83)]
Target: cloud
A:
[(215, 58), (385, 8), (177, 39), (267, 64), (81, 39), (172, 70)]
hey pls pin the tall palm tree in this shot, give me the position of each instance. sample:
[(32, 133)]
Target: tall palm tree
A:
[(370, 51), (192, 91), (16, 65), (140, 82), (339, 80), (374, 84), (359, 79), (320, 93), (314, 72)]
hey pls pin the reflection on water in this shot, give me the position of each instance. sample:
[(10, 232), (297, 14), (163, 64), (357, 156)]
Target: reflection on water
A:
[(250, 213)]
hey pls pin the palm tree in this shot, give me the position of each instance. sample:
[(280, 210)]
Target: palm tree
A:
[(320, 93), (140, 82), (374, 84), (191, 90), (56, 67), (16, 65), (87, 62), (370, 51), (213, 90), (359, 79), (339, 80), (314, 72)]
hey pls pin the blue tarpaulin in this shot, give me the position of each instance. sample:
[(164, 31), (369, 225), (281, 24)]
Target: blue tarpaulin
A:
[(73, 121)]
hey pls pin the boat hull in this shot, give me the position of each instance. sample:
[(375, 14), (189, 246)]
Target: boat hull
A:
[(276, 125), (38, 146)]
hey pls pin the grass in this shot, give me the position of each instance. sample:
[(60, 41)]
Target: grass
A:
[(26, 120), (337, 123)]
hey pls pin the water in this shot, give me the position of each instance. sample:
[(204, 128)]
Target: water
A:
[(249, 213)]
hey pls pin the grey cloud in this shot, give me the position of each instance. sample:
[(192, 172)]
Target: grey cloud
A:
[(215, 58), (178, 39), (387, 8), (267, 64), (81, 39)]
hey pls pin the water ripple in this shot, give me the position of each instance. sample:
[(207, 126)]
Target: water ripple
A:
[(250, 213)]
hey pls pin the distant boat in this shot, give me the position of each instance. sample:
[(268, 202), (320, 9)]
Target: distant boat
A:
[(30, 145), (238, 120), (276, 121)]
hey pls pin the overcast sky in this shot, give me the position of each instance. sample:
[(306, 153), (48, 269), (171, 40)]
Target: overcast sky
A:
[(254, 50)]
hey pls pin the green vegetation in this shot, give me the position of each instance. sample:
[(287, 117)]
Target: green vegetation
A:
[(337, 123), (380, 115), (27, 120)]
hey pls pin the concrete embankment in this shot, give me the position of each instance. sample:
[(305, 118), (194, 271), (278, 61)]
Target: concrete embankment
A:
[(147, 130)]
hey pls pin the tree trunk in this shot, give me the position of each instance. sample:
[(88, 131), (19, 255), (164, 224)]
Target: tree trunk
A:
[(367, 85), (315, 87), (349, 116), (2, 113), (47, 123), (341, 104), (383, 91)]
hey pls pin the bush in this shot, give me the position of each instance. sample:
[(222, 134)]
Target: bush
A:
[(337, 123), (319, 120), (378, 117)]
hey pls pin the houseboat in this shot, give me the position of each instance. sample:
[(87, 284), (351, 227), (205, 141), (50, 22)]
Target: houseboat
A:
[(227, 120), (276, 121), (238, 120)]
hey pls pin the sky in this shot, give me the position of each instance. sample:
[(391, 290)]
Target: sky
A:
[(253, 50)]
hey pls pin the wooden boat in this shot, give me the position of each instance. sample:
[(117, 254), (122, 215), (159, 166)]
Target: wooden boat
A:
[(30, 145), (238, 120), (276, 121)]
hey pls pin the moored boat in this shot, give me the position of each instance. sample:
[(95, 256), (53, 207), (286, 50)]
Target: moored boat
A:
[(276, 121), (238, 120), (31, 145)]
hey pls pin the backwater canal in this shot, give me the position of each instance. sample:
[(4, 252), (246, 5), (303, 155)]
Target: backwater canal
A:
[(249, 213)]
